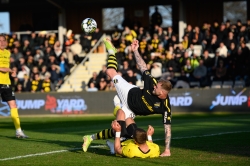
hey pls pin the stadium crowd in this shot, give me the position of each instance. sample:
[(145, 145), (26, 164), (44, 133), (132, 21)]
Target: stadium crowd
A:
[(216, 52), (42, 62)]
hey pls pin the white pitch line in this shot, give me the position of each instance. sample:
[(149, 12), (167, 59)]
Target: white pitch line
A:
[(101, 146)]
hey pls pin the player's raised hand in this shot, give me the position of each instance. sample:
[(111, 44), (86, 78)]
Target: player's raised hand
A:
[(116, 126), (150, 130), (135, 45)]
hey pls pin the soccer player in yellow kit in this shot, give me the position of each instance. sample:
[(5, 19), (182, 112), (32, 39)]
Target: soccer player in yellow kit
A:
[(6, 92), (141, 146)]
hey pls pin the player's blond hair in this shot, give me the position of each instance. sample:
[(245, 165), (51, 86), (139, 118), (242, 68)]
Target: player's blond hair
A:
[(140, 136), (166, 85)]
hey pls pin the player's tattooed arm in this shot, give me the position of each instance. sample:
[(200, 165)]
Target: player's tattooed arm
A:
[(140, 62), (167, 135), (167, 140)]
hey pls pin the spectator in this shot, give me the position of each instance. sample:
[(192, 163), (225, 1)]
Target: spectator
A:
[(25, 46), (213, 45), (221, 71), (30, 62), (189, 33), (230, 39), (76, 49), (102, 85), (40, 63), (33, 41), (24, 71), (16, 54), (26, 85), (96, 35), (125, 68), (44, 72), (47, 53), (55, 76), (92, 88), (222, 33), (116, 37), (47, 86), (38, 54), (156, 18), (185, 42), (207, 61), (36, 84), (129, 77), (155, 42), (34, 72), (85, 42), (12, 62), (156, 70), (222, 50), (19, 88), (57, 49), (188, 69), (200, 74), (243, 34), (94, 79), (102, 73), (183, 80), (64, 69), (68, 55), (52, 61), (197, 36)]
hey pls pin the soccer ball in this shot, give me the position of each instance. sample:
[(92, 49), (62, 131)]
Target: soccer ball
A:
[(89, 25)]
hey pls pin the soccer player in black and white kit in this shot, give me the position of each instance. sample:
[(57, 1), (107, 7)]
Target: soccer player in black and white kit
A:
[(152, 99)]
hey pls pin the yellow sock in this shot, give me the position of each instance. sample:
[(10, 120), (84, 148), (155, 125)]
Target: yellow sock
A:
[(104, 134), (116, 109), (15, 118)]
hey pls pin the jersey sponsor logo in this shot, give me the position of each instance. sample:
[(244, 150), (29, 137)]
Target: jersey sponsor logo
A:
[(231, 100), (150, 108), (115, 81), (157, 104)]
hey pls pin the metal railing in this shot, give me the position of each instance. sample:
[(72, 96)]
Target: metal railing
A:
[(85, 59)]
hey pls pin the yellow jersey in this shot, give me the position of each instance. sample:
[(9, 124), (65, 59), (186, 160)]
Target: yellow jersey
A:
[(131, 150), (5, 63)]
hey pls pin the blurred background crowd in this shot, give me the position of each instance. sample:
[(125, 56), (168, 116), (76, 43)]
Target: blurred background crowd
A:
[(213, 52)]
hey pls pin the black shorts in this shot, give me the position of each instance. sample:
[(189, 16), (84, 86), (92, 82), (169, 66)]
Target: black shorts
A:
[(6, 93)]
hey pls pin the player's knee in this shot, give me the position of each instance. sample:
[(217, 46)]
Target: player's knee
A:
[(111, 72), (120, 115)]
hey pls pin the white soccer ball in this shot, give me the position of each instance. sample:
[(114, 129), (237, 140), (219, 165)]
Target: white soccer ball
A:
[(89, 25)]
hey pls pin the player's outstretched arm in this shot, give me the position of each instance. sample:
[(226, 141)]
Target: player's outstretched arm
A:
[(167, 140), (116, 126), (150, 133), (140, 62), (5, 70)]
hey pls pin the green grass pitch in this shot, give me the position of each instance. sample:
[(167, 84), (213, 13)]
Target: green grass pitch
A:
[(197, 139)]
